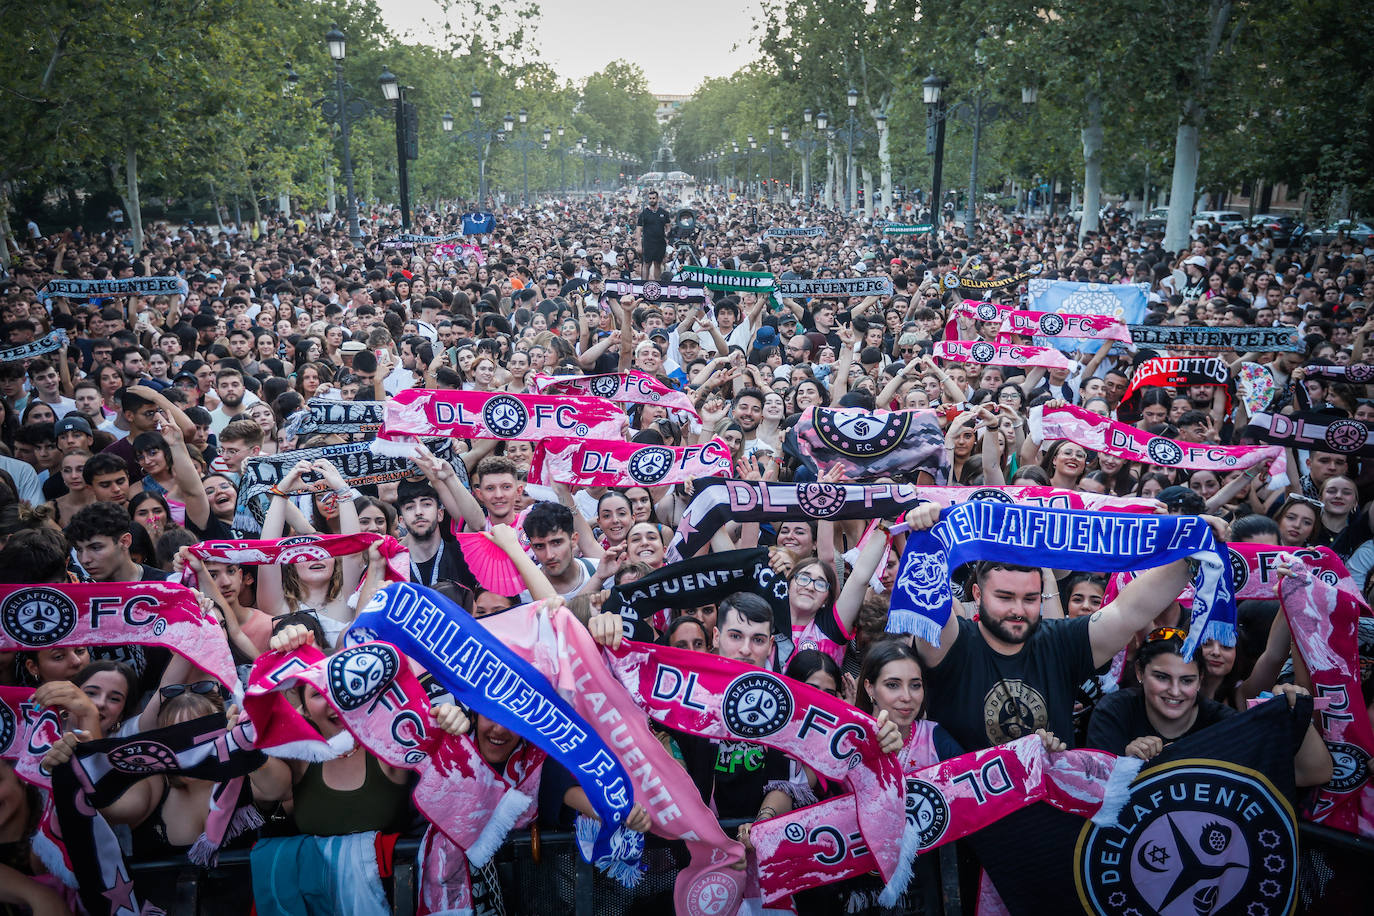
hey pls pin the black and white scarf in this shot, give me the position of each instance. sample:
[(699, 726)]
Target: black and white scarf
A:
[(1316, 432), (102, 771), (835, 288), (795, 232), (652, 291), (1241, 340), (48, 343), (327, 416), (129, 286), (700, 581)]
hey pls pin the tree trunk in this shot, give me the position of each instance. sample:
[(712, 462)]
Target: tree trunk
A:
[(1186, 140), (869, 209), (1092, 167), (132, 205), (885, 162), (5, 237)]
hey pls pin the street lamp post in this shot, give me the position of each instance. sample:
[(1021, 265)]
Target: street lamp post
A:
[(479, 137), (524, 144), (393, 91), (750, 179), (770, 162), (806, 145), (933, 88), (852, 100), (343, 111), (786, 134)]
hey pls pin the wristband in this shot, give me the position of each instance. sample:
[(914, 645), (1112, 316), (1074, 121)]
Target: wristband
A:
[(275, 490)]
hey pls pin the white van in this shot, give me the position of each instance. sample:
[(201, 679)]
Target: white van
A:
[(1226, 219)]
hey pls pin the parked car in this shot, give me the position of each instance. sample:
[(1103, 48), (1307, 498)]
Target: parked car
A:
[(1223, 219), (1359, 233), (1154, 221), (1280, 227)]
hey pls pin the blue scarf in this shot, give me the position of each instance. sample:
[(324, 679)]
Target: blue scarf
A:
[(1060, 539), (487, 677)]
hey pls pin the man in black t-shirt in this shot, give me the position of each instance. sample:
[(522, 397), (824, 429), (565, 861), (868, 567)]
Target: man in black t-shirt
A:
[(1010, 673), (651, 237)]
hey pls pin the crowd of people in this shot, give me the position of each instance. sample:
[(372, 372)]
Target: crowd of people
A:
[(127, 444)]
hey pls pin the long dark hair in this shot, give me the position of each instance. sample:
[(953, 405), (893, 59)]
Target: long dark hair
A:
[(808, 661), (879, 655)]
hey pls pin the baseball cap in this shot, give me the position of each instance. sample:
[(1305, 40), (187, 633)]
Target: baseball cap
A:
[(1182, 499), (1196, 260), (766, 337), (74, 423), (659, 332), (688, 337)]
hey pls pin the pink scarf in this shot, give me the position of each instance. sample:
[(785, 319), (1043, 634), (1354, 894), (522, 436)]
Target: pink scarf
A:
[(426, 413), (1001, 354), (304, 548), (16, 709), (633, 387), (617, 463), (115, 614), (1323, 618), (383, 706), (716, 697), (1099, 434), (1254, 572), (1053, 324), (823, 843), (1035, 495), (978, 311), (560, 646)]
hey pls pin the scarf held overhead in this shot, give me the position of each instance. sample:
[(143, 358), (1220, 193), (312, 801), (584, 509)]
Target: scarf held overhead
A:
[(328, 416), (556, 642), (729, 700), (1355, 373), (954, 281), (730, 281), (1317, 432), (836, 288), (1099, 434), (48, 343), (873, 443), (1059, 539), (426, 412), (792, 232), (129, 286), (1240, 340), (1175, 372), (1001, 354), (658, 291), (306, 548), (717, 501), (486, 676), (633, 387), (617, 463), (1052, 324)]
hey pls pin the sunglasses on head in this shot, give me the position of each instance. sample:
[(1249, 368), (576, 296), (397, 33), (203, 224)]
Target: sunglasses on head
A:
[(202, 688), (1166, 633)]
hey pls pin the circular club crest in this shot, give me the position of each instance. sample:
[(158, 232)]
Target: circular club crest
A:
[(986, 312), (991, 494), (711, 894), (650, 464), (143, 757), (1349, 773), (652, 291), (8, 728), (1346, 436), (505, 416), (982, 352), (1240, 570), (861, 435), (756, 705), (38, 617), (1164, 451), (1051, 324), (927, 811), (1181, 847), (300, 549), (357, 675), (820, 500), (951, 281), (1359, 373), (604, 386)]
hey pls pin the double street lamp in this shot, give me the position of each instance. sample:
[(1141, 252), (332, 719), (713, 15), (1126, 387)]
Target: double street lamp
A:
[(806, 145), (977, 110), (343, 111), (852, 134), (479, 137), (524, 144)]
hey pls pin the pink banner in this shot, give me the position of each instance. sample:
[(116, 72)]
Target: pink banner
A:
[(426, 413), (556, 643), (616, 463), (1053, 497), (1099, 434), (1052, 324), (16, 709), (633, 387), (1001, 354), (822, 843), (978, 311), (1323, 619)]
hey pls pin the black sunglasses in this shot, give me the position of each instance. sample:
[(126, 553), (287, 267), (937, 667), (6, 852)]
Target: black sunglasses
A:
[(202, 688)]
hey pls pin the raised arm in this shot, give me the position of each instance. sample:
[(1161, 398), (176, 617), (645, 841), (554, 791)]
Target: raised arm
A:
[(540, 588), (186, 477), (458, 502), (856, 583)]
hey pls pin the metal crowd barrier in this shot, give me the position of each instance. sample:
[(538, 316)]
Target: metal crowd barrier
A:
[(562, 877)]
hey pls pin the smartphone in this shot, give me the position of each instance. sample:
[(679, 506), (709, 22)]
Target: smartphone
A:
[(378, 354)]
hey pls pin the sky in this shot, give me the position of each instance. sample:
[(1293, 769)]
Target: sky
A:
[(676, 44)]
